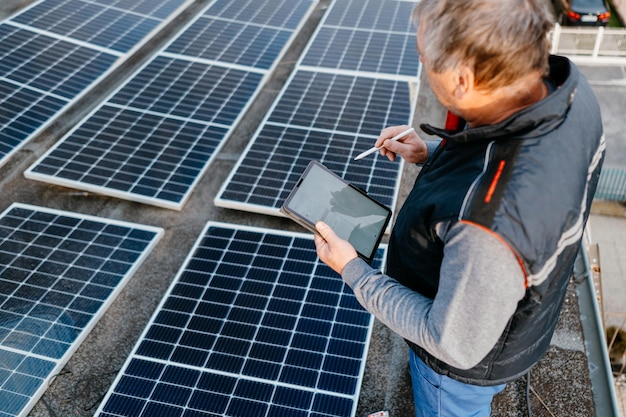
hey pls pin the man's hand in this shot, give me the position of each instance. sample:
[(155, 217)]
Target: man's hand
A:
[(411, 147), (332, 250)]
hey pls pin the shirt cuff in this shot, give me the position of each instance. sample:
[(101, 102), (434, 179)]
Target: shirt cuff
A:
[(354, 270), (431, 146)]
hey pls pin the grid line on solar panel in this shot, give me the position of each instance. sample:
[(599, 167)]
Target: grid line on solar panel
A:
[(156, 8), (23, 110), (253, 324), (58, 273)]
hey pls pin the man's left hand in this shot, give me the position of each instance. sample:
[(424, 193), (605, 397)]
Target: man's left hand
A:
[(333, 250)]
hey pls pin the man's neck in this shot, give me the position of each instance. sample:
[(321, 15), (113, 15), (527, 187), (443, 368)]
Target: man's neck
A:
[(494, 107)]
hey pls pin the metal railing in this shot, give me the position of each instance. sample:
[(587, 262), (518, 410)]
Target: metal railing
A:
[(596, 45), (589, 290)]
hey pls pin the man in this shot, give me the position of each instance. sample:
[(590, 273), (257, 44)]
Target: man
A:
[(482, 251)]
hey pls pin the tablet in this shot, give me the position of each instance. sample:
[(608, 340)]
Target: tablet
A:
[(320, 194)]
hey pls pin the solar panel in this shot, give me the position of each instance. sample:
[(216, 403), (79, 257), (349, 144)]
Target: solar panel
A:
[(59, 272), (54, 50), (155, 136), (357, 75), (252, 325)]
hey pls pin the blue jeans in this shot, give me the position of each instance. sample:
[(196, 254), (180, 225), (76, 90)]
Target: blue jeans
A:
[(440, 396)]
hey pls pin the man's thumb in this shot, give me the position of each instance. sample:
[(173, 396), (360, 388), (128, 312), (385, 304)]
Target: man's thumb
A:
[(324, 230)]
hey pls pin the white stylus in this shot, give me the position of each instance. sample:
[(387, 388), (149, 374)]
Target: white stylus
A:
[(374, 149)]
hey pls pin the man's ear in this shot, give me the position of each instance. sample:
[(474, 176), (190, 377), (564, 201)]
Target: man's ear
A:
[(464, 81)]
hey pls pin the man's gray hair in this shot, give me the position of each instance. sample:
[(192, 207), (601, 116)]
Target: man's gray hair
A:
[(501, 40)]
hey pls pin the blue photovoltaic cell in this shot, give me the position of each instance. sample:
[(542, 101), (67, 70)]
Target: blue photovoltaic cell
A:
[(253, 325), (56, 49), (59, 271), (154, 137), (356, 77)]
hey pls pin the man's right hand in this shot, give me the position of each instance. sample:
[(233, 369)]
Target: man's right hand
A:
[(411, 147)]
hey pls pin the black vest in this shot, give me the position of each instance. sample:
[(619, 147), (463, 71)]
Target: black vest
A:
[(530, 180)]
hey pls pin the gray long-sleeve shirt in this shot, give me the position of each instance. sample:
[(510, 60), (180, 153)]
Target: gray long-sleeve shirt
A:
[(481, 283)]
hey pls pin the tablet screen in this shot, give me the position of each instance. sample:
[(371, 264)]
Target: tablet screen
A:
[(354, 216)]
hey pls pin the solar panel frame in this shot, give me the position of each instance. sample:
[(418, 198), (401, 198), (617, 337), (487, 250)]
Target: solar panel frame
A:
[(10, 144), (240, 269), (60, 271), (312, 119), (135, 87)]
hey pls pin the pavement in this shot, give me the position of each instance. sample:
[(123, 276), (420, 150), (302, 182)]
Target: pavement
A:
[(561, 380)]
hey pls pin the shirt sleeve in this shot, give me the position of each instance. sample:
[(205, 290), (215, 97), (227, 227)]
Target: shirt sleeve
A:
[(481, 283)]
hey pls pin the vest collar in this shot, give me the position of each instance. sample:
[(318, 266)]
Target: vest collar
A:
[(535, 120)]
